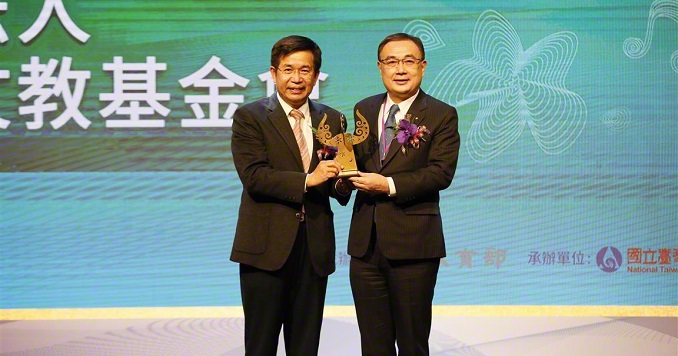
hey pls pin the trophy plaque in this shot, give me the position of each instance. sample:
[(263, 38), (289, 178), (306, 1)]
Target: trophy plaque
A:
[(344, 142)]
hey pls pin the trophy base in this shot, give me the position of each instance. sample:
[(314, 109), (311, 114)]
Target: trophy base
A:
[(347, 174)]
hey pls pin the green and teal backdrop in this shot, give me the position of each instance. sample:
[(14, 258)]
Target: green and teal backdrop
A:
[(117, 187)]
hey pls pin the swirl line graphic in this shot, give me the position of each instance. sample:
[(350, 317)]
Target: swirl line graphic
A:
[(426, 32), (616, 119), (636, 48), (514, 88)]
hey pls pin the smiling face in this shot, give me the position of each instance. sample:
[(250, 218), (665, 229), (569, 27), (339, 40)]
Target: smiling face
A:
[(401, 81), (295, 77)]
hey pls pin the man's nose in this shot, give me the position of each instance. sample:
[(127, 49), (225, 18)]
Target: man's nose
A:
[(296, 76), (400, 67)]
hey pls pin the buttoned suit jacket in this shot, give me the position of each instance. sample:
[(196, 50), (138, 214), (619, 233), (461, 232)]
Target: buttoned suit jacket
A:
[(268, 162), (409, 225)]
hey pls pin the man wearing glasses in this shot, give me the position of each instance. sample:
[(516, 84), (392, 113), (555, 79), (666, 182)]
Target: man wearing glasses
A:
[(396, 234), (284, 238)]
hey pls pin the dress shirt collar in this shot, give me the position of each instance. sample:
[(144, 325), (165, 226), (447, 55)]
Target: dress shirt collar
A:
[(404, 105), (305, 109)]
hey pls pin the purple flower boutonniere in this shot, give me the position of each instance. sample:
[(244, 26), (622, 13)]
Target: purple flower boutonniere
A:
[(409, 134), (327, 152)]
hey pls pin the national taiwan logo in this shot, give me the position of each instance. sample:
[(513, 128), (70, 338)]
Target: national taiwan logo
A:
[(609, 259)]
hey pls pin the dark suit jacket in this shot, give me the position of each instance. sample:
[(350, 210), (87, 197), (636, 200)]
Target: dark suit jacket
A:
[(267, 158), (409, 225)]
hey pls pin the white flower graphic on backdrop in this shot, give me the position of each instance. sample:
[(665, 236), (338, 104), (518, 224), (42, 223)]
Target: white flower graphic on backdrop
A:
[(514, 88)]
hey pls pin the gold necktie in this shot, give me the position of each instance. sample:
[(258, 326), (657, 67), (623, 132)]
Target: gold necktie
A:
[(301, 141)]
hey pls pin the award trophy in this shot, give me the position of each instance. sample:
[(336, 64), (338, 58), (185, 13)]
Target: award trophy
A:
[(344, 142)]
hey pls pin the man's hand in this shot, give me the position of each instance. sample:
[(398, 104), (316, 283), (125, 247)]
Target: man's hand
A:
[(325, 170), (371, 183)]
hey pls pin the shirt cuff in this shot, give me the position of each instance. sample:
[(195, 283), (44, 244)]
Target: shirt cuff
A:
[(391, 187)]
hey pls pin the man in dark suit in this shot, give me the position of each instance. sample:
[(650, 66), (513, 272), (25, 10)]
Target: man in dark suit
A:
[(284, 239), (396, 234)]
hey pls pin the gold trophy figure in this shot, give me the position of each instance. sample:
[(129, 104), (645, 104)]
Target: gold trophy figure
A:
[(344, 143)]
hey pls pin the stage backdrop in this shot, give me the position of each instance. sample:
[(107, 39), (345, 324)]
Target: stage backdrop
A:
[(117, 187)]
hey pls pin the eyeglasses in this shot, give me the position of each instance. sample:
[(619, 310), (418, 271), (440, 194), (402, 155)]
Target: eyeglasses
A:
[(303, 72), (408, 62)]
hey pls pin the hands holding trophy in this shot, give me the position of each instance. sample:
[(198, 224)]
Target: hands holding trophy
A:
[(344, 143)]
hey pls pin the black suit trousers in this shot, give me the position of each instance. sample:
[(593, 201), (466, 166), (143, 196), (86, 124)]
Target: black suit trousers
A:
[(292, 297), (393, 301)]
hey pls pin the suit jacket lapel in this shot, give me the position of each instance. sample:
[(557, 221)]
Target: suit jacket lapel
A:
[(316, 117), (372, 116), (279, 119), (417, 110)]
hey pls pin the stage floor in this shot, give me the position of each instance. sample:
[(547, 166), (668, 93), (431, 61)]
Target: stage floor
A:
[(522, 335)]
